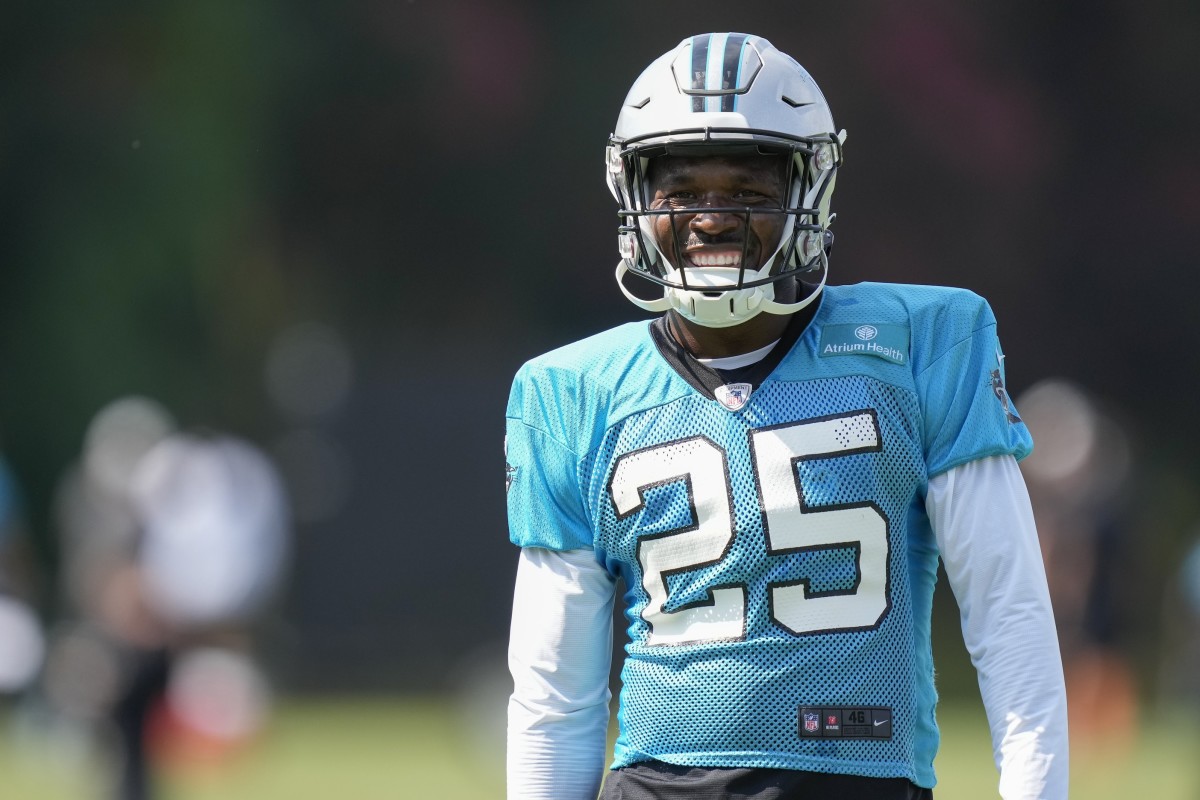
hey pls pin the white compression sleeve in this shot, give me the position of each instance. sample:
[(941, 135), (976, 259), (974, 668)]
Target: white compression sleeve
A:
[(559, 653), (985, 529)]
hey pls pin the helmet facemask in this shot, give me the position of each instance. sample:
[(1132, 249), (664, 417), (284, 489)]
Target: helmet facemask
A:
[(722, 296)]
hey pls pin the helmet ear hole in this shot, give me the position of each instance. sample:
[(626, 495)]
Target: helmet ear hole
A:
[(812, 244), (823, 157), (627, 246), (615, 173)]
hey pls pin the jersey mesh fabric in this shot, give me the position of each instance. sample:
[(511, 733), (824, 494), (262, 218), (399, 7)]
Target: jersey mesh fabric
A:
[(733, 699), (739, 701)]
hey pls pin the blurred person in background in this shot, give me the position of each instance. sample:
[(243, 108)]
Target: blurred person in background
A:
[(1078, 483), (174, 543), (1181, 612), (22, 643), (773, 468)]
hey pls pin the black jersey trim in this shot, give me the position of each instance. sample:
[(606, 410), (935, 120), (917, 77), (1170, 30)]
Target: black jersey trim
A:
[(705, 379)]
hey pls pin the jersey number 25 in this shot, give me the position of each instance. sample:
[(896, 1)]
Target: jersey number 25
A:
[(790, 526)]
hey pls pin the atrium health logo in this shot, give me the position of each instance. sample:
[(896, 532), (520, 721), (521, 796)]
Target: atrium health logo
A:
[(866, 332)]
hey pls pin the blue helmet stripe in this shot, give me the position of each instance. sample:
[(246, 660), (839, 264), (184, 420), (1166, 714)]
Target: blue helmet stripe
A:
[(734, 49), (699, 67)]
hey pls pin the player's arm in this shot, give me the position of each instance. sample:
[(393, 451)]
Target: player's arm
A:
[(983, 521), (560, 651)]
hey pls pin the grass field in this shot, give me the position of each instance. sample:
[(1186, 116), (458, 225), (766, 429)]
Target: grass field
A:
[(389, 748)]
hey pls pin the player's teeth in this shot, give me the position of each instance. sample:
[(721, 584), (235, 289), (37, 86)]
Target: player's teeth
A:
[(715, 260)]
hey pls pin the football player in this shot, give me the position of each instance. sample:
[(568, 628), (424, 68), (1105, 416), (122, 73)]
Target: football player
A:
[(773, 467)]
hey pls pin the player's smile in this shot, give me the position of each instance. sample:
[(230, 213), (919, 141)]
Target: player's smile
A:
[(715, 259), (700, 254)]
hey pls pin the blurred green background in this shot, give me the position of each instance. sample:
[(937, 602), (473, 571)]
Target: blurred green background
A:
[(337, 229), (373, 750)]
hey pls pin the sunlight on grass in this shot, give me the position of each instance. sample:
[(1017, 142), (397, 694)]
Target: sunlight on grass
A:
[(385, 748), (1158, 762)]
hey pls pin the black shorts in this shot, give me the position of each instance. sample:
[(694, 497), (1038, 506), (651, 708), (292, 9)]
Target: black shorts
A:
[(654, 780)]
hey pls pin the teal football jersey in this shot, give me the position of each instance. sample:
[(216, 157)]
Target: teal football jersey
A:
[(769, 523)]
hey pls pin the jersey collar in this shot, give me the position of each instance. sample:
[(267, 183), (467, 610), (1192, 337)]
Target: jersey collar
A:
[(707, 380)]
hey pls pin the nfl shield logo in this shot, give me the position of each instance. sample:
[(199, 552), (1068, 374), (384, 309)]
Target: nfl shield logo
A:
[(734, 395), (812, 722)]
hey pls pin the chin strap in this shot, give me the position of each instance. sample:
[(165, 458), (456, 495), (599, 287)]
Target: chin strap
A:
[(658, 305), (721, 311)]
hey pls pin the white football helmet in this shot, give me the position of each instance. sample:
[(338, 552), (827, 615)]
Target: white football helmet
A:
[(723, 93)]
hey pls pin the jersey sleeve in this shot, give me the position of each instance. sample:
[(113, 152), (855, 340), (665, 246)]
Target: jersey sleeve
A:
[(559, 654), (545, 504), (983, 521), (968, 413)]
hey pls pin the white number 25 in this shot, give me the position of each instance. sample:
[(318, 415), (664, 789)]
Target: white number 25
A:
[(790, 526)]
